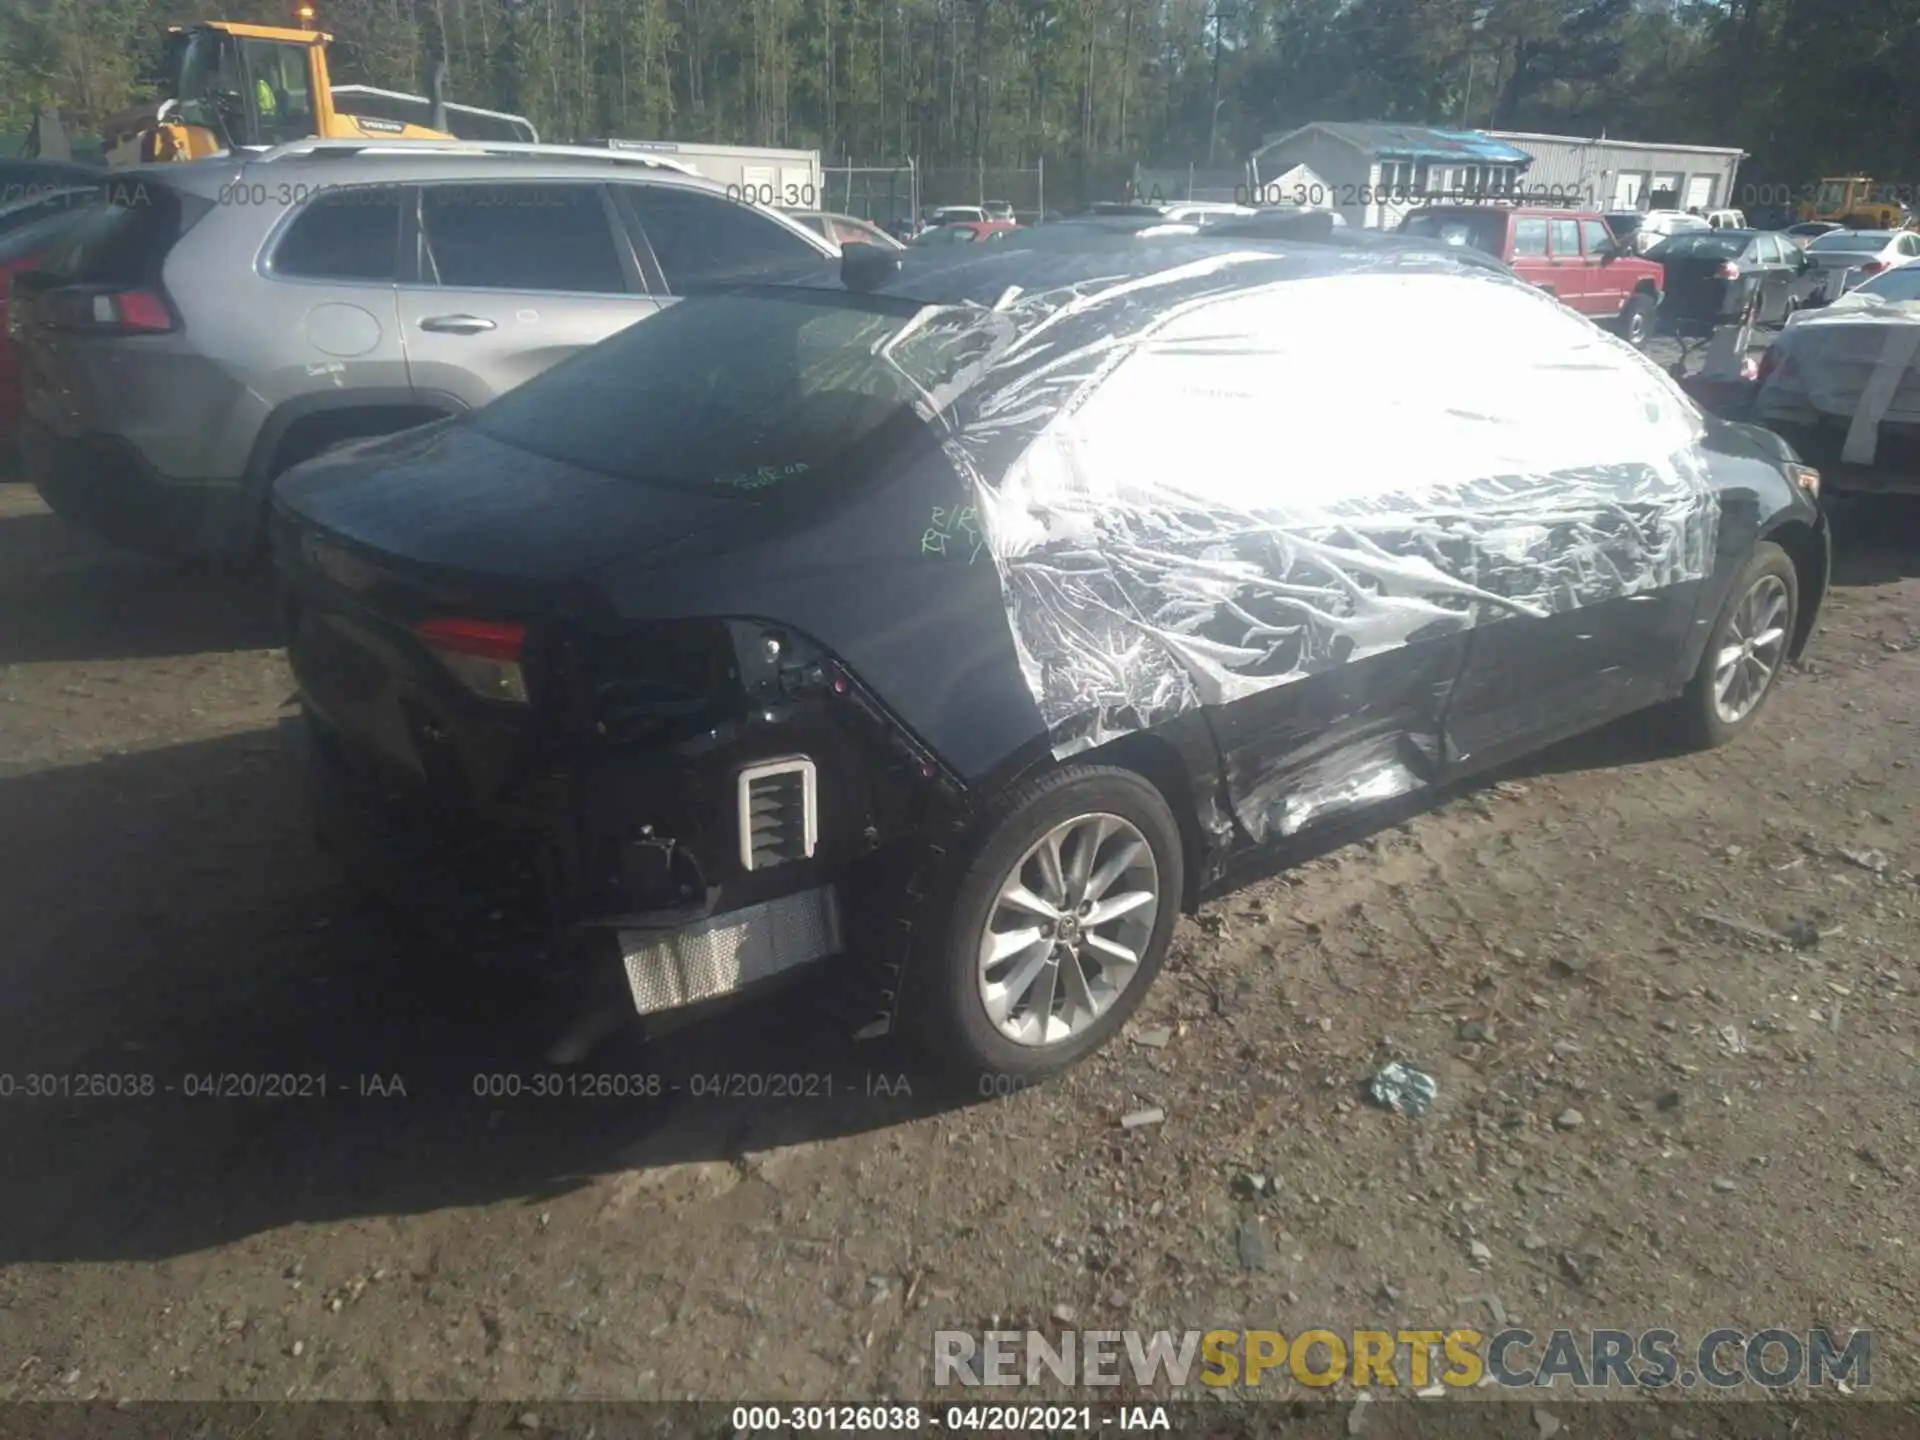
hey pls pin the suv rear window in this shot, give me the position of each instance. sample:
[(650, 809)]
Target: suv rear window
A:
[(45, 204), (744, 391), (125, 240), (1482, 231), (1700, 245)]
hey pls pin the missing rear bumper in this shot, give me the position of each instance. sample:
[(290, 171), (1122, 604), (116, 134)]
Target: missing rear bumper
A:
[(729, 952)]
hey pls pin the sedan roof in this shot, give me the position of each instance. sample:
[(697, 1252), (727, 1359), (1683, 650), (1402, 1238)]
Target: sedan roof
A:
[(984, 275)]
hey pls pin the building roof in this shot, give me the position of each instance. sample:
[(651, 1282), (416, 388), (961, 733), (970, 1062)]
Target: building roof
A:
[(1413, 142), (1524, 136)]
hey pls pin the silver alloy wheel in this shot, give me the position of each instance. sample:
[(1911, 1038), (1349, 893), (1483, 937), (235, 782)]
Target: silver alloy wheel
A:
[(1637, 323), (1750, 657), (1068, 930)]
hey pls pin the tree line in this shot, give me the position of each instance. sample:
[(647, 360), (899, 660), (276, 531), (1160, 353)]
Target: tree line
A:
[(1808, 87)]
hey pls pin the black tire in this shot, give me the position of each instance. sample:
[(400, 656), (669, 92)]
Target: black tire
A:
[(1698, 718), (1635, 323), (942, 1005)]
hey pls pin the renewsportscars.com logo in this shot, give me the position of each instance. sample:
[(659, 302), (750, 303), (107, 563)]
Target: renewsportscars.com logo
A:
[(1416, 1359)]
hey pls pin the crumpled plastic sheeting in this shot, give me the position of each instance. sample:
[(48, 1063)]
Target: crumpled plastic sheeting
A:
[(1164, 543), (1357, 773), (1854, 359)]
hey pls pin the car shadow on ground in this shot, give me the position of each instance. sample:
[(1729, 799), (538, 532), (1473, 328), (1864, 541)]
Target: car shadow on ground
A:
[(1876, 540), (68, 597), (171, 924), (173, 931)]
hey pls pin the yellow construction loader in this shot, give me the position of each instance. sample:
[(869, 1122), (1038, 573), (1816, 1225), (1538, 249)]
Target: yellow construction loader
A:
[(224, 85), (1854, 201)]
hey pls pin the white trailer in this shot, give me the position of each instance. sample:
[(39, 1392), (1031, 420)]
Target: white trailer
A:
[(788, 179)]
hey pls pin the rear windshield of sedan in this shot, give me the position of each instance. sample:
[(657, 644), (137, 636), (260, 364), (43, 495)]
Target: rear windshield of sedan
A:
[(1699, 244), (747, 390), (1865, 241), (1486, 232), (1900, 283)]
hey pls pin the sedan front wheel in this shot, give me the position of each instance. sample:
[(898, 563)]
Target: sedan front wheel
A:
[(1058, 920), (1746, 651)]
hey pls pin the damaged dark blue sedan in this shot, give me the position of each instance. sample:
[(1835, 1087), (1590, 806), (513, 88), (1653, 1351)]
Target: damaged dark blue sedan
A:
[(942, 636)]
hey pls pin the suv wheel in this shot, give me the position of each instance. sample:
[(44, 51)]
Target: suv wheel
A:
[(1059, 919)]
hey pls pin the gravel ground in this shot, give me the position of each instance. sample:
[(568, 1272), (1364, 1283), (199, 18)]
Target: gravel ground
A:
[(1670, 1004)]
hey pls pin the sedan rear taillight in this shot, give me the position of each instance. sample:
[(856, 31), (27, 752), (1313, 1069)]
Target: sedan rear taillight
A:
[(1727, 271), (483, 655), (1873, 267)]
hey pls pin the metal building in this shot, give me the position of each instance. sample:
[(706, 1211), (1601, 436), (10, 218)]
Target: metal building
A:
[(1371, 173), (1630, 174)]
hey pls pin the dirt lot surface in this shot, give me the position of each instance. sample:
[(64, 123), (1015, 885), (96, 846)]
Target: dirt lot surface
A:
[(1671, 1006)]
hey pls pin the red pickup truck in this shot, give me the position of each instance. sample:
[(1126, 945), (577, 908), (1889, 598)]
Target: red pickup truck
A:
[(1568, 253)]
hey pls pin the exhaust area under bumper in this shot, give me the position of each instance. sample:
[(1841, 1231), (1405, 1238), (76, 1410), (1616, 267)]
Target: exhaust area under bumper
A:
[(731, 951)]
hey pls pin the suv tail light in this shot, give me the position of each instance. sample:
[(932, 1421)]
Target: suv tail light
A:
[(135, 311), (1727, 271), (112, 312), (483, 655)]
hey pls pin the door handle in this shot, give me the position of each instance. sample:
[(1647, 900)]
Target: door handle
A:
[(457, 324)]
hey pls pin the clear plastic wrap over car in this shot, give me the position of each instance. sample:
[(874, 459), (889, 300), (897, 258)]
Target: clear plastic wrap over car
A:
[(1149, 569)]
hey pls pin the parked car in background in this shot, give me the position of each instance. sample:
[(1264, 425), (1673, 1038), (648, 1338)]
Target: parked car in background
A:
[(29, 229), (1726, 219), (1804, 232), (1283, 222), (1571, 254), (179, 350), (23, 182), (1078, 233), (937, 215), (1641, 230), (1123, 207), (845, 229), (594, 649), (1727, 277), (963, 232), (1844, 258), (999, 210), (1823, 389), (1204, 212)]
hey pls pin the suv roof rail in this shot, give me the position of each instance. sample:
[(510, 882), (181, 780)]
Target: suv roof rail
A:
[(317, 149)]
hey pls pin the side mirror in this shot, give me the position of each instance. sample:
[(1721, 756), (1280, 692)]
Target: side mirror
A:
[(867, 267)]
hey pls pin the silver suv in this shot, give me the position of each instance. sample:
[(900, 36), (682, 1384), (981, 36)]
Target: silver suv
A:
[(222, 320)]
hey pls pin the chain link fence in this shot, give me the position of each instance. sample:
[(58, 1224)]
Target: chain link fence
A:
[(1022, 187), (885, 194)]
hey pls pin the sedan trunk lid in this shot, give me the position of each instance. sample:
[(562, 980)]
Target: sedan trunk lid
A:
[(454, 503)]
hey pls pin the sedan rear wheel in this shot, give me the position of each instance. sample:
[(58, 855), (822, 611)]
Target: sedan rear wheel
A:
[(1067, 931), (1746, 651), (1058, 921)]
